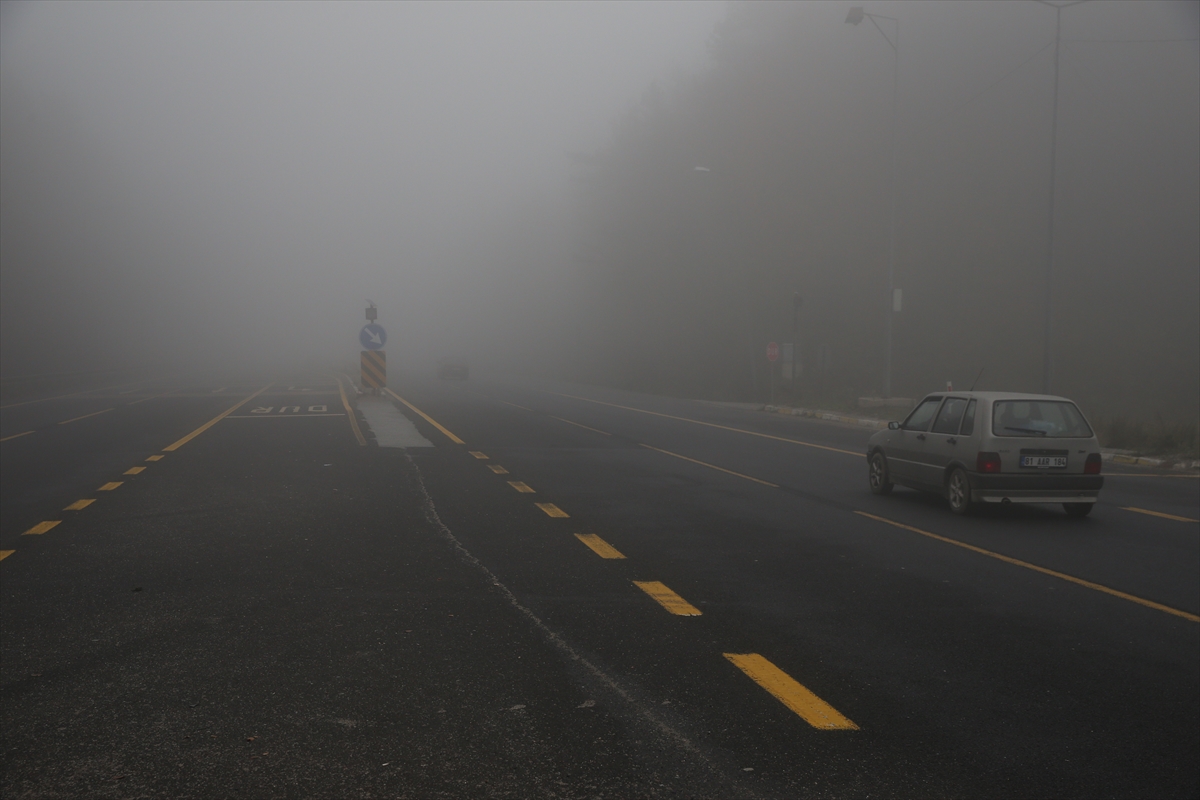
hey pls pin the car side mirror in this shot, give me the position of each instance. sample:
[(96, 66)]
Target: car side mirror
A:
[(893, 426)]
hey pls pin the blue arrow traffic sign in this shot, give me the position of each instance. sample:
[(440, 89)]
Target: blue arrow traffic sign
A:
[(372, 337)]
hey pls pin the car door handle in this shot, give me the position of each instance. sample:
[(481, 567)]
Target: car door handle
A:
[(921, 436), (952, 440)]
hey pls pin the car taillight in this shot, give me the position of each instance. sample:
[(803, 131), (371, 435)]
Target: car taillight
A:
[(1092, 465), (987, 462)]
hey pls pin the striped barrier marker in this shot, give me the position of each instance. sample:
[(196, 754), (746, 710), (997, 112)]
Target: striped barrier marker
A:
[(374, 369)]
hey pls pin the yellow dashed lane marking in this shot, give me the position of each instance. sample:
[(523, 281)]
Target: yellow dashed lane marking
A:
[(479, 455), (180, 443), (1159, 514), (712, 425), (154, 458), (787, 690), (427, 418), (134, 470), (598, 545), (42, 527), (15, 436), (496, 468), (85, 416), (80, 505), (108, 487), (6, 553), (552, 510), (712, 466), (521, 487), (1017, 562), (668, 599)]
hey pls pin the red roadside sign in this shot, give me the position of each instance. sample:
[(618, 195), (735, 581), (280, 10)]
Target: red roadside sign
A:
[(772, 351)]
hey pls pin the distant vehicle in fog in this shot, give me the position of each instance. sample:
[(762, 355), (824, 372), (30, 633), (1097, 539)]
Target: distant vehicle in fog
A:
[(452, 369), (991, 447)]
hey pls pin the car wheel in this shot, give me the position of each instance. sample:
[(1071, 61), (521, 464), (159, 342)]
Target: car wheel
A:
[(958, 491), (1078, 509), (878, 474)]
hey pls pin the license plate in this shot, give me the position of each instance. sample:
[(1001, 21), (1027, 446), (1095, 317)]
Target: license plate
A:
[(1044, 462)]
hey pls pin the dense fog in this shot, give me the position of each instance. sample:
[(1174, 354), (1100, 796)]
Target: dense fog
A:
[(627, 194)]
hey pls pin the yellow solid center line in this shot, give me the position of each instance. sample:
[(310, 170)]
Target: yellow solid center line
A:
[(108, 487), (42, 527), (1062, 576), (479, 455), (427, 418), (358, 434), (668, 599), (712, 466), (134, 470), (496, 468), (16, 436), (580, 425), (6, 553), (178, 444), (787, 690), (712, 425), (80, 505), (85, 416), (154, 458), (1160, 514), (552, 510), (598, 545), (521, 487)]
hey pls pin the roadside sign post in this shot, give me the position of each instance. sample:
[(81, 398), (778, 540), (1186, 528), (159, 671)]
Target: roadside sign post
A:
[(373, 359), (772, 356)]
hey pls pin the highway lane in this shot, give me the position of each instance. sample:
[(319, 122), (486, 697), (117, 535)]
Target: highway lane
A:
[(908, 635), (272, 609)]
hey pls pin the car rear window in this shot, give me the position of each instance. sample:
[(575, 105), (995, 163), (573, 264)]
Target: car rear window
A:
[(1050, 419)]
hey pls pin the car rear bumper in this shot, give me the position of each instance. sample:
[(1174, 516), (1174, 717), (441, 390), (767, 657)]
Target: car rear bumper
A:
[(1035, 488)]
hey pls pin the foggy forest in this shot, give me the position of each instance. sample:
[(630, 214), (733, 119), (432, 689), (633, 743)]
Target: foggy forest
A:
[(632, 195)]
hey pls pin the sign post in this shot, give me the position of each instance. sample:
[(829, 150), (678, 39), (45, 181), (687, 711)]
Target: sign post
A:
[(373, 359), (772, 356)]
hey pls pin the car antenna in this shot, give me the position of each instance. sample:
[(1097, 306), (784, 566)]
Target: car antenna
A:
[(976, 380)]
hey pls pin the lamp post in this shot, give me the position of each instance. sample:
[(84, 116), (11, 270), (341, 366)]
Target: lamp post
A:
[(1049, 298), (857, 15)]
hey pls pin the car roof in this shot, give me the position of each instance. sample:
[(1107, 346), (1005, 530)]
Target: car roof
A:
[(1001, 396)]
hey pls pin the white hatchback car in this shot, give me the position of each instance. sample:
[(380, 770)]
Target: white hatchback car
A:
[(991, 447)]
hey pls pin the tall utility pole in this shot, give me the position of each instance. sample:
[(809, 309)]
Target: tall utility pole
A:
[(857, 15), (1047, 359), (797, 302)]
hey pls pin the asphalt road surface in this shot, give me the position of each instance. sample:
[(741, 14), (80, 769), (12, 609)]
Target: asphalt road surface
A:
[(230, 590)]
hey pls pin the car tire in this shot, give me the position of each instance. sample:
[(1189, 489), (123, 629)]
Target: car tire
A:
[(877, 474), (1079, 510), (958, 491)]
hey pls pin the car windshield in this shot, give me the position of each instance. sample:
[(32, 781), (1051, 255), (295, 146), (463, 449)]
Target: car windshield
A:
[(1054, 419)]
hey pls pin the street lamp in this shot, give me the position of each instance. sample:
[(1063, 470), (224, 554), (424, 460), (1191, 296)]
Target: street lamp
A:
[(1049, 305), (857, 15)]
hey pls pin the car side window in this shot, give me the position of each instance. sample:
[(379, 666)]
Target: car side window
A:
[(968, 423), (922, 415), (950, 415)]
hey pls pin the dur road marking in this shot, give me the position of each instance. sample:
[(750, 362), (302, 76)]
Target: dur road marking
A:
[(133, 470), (713, 425), (427, 418), (42, 527), (522, 487), (552, 510), (108, 487), (1017, 562), (712, 466), (181, 442), (787, 690), (598, 545), (85, 416), (80, 505), (668, 599), (496, 468), (16, 436), (1159, 514), (6, 553)]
